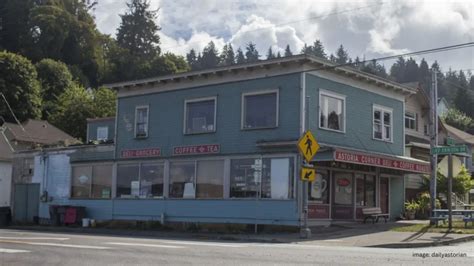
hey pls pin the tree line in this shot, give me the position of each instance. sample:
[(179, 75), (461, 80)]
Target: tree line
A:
[(53, 60)]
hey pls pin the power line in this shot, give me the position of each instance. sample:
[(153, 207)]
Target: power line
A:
[(291, 22), (16, 119)]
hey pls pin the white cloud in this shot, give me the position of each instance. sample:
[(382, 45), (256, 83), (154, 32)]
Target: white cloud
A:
[(365, 27)]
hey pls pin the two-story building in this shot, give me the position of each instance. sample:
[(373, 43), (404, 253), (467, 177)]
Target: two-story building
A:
[(219, 145)]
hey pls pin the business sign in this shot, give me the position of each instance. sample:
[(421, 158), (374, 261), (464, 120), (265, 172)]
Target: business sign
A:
[(197, 149), (449, 149), (373, 160), (308, 146), (137, 153)]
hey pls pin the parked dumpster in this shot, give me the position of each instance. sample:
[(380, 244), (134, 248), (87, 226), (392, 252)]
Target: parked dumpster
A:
[(5, 216)]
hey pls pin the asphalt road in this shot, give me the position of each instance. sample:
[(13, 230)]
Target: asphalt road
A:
[(33, 248)]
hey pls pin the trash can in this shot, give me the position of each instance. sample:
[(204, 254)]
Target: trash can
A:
[(5, 216), (62, 213)]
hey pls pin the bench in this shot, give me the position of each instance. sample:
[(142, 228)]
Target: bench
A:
[(374, 214), (438, 218), (467, 219)]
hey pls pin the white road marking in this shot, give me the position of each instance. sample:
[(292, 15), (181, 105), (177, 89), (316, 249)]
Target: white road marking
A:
[(5, 250), (34, 238), (196, 243), (141, 245), (53, 244)]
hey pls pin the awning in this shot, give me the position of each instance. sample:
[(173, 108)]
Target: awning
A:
[(402, 163)]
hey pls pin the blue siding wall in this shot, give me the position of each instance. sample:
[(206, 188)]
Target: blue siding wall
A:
[(93, 125), (167, 108), (359, 106), (283, 212)]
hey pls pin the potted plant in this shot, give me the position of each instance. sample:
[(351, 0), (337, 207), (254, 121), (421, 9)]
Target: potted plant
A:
[(410, 209)]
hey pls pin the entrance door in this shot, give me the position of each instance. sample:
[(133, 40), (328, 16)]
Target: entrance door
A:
[(343, 199), (26, 202), (384, 199)]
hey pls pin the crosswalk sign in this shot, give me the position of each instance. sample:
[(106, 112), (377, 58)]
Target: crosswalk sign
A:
[(308, 146), (308, 174)]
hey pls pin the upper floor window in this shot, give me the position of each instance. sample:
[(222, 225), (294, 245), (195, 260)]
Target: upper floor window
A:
[(141, 122), (410, 120), (331, 111), (382, 123), (260, 110), (102, 133), (200, 115)]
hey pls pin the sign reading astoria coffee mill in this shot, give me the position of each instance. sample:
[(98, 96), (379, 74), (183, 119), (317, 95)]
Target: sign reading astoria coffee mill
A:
[(373, 160)]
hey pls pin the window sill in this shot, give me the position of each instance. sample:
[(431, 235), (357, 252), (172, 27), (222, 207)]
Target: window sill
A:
[(90, 198), (382, 140), (199, 133), (139, 138), (257, 128), (332, 130)]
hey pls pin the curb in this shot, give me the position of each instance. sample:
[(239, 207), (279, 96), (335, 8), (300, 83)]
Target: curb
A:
[(145, 234), (427, 244)]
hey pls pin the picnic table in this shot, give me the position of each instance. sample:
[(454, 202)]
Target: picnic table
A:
[(442, 215)]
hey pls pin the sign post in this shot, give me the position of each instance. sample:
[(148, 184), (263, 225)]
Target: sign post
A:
[(308, 147), (449, 150)]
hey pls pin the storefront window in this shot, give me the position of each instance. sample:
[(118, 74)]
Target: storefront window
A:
[(210, 179), (128, 184), (265, 178), (102, 181), (151, 180), (276, 178), (245, 175), (81, 181), (319, 188), (182, 179), (365, 192), (92, 181), (343, 188)]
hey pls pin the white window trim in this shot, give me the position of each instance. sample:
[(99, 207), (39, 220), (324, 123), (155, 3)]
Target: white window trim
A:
[(106, 128), (414, 118), (338, 96), (80, 164), (242, 109), (147, 121), (383, 109), (185, 115)]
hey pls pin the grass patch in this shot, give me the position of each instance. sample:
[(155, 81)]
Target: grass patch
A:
[(458, 228)]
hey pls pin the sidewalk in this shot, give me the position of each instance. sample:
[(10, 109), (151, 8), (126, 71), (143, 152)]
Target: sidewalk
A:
[(350, 234)]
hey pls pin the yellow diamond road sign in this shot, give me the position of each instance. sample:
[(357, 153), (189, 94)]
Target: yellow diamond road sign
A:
[(308, 174), (308, 146)]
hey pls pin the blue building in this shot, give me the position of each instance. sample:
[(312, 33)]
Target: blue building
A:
[(219, 146)]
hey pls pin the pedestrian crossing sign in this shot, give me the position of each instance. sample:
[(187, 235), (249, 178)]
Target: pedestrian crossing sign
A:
[(308, 146), (307, 174)]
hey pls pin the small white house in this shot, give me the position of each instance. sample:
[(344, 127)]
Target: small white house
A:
[(5, 170)]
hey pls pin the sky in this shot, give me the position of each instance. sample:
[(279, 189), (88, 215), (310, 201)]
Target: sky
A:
[(368, 29)]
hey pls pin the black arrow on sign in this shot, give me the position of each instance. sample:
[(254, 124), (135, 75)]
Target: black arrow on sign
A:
[(307, 175)]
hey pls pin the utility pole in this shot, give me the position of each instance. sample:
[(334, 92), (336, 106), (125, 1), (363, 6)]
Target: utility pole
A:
[(433, 136)]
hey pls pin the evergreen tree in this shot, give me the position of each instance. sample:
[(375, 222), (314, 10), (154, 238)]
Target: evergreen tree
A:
[(471, 83), (464, 101), (373, 67), (342, 57), (288, 51), (227, 55), (306, 49), (240, 58), (138, 32), (210, 56), (411, 71), (318, 49), (424, 75), (278, 55), (332, 58), (251, 53), (397, 71), (270, 54), (191, 58)]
